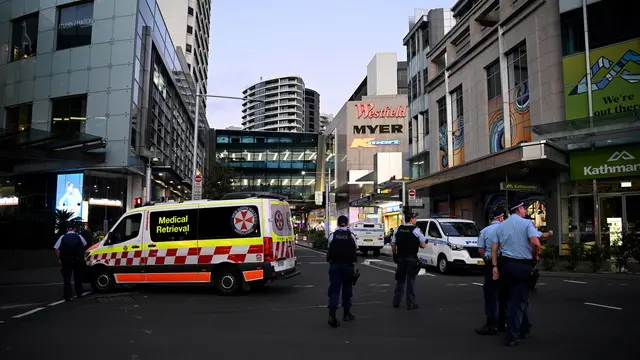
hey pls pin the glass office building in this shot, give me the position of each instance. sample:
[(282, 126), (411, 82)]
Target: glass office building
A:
[(278, 162)]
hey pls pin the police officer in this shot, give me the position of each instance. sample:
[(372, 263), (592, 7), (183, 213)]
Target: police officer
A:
[(519, 244), (494, 295), (70, 253), (405, 243), (341, 257)]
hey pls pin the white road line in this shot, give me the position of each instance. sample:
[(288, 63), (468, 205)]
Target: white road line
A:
[(575, 282), (541, 284), (1, 322), (303, 286), (478, 284), (379, 268), (302, 248), (7, 307), (603, 306), (316, 263), (28, 313), (56, 303), (30, 285)]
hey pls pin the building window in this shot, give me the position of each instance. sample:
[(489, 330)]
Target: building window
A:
[(425, 39), (463, 43), (24, 37), (19, 117), (414, 88), (495, 117), (443, 139), (190, 11), (189, 48), (518, 77), (457, 126), (69, 115), (189, 29), (425, 122), (425, 80), (74, 25)]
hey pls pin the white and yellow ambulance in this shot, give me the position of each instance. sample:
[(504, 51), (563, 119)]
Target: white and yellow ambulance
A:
[(232, 244)]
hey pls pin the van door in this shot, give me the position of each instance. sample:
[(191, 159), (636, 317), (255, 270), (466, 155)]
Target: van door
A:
[(438, 243), (123, 250), (424, 253), (282, 235)]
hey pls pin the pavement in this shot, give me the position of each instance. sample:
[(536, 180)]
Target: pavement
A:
[(572, 318)]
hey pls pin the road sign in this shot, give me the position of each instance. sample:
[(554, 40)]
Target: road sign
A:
[(197, 188), (415, 202), (319, 198), (412, 194)]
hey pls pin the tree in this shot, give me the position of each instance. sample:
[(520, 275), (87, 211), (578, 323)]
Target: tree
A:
[(218, 181)]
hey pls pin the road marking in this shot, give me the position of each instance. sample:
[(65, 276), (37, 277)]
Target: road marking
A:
[(57, 303), (379, 285), (574, 282), (303, 286), (306, 256), (30, 285), (28, 313), (1, 322), (478, 284), (379, 268), (315, 263), (7, 307), (603, 306)]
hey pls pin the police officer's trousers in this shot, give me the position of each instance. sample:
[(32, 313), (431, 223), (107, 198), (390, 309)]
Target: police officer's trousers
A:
[(516, 275), (340, 278), (406, 275), (495, 298), (75, 268)]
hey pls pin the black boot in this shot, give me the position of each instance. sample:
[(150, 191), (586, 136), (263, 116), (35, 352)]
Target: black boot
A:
[(333, 321), (348, 316)]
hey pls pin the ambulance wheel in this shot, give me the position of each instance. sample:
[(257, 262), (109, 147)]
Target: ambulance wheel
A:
[(376, 252), (443, 264), (102, 281), (228, 281)]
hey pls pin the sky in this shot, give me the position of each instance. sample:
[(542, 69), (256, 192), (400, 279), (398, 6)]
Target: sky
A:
[(329, 43)]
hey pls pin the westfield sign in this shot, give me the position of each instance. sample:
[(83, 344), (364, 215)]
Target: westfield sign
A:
[(369, 111)]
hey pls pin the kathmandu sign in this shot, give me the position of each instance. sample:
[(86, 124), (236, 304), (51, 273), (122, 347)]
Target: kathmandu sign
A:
[(605, 163)]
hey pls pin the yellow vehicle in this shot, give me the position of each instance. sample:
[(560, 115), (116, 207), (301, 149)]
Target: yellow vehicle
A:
[(232, 244)]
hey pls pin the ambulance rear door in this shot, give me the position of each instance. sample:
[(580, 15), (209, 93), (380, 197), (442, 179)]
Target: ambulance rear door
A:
[(282, 235)]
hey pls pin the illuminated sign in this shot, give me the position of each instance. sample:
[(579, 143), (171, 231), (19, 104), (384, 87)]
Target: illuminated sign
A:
[(105, 202), (8, 201), (371, 143), (69, 193), (369, 111), (381, 129)]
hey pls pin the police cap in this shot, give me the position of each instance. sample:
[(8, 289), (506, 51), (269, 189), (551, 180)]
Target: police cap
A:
[(343, 220), (496, 214), (516, 203)]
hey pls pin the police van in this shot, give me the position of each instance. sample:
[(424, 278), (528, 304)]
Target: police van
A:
[(244, 240), (451, 243), (369, 236)]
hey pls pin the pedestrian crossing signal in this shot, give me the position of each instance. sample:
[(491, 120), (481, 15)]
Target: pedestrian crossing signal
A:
[(137, 202)]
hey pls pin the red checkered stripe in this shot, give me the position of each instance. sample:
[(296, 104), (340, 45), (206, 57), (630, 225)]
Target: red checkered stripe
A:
[(181, 256), (284, 249)]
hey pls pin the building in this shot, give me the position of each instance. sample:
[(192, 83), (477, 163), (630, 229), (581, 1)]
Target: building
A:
[(425, 27), (281, 105), (278, 162), (311, 111), (570, 143), (90, 95), (366, 142), (324, 120), (188, 24)]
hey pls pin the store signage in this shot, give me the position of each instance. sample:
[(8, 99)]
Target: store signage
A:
[(605, 163), (391, 209), (75, 23), (371, 143), (380, 129), (369, 111), (9, 201), (514, 186), (105, 202)]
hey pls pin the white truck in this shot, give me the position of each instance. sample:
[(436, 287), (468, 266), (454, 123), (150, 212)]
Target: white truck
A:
[(369, 236)]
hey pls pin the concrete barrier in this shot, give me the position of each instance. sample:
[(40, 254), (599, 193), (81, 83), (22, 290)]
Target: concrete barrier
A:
[(27, 259)]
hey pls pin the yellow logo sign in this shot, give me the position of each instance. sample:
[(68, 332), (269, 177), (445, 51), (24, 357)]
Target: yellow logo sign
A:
[(362, 143)]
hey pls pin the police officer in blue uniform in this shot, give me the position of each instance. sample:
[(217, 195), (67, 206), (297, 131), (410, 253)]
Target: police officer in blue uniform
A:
[(494, 295), (341, 257), (405, 242), (70, 252), (519, 246)]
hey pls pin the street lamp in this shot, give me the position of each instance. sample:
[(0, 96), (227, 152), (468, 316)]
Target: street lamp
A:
[(327, 189), (197, 124)]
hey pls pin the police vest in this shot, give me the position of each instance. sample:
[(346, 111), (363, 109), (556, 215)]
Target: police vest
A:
[(342, 249), (407, 242), (71, 247)]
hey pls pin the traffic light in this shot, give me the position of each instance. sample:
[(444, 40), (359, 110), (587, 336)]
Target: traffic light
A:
[(137, 202)]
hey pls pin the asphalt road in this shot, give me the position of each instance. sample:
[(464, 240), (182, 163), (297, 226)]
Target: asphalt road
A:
[(572, 318)]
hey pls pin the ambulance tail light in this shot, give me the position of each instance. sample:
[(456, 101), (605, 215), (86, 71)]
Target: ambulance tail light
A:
[(267, 244)]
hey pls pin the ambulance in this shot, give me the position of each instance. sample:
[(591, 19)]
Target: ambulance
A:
[(451, 243), (242, 241), (369, 236)]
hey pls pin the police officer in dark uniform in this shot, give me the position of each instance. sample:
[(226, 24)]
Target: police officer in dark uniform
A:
[(406, 241), (70, 252), (494, 294), (341, 257), (519, 245)]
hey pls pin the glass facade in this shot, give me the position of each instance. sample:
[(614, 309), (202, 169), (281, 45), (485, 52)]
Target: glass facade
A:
[(278, 162)]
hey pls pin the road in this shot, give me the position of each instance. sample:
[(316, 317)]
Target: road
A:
[(572, 318)]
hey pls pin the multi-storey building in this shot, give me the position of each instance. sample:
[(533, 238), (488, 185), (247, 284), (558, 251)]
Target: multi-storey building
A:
[(527, 100), (279, 106), (91, 93), (324, 121), (425, 27), (311, 111)]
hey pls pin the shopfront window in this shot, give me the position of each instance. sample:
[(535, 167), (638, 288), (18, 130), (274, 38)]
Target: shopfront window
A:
[(75, 23), (24, 37), (19, 117), (69, 115)]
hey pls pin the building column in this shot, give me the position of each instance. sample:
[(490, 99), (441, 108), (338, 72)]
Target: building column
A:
[(504, 81), (135, 184)]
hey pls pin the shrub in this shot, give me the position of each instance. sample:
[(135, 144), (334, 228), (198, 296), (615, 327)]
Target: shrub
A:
[(548, 257), (596, 256), (318, 240), (623, 250), (576, 252)]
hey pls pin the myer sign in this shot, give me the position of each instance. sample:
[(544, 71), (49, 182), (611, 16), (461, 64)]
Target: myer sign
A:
[(605, 163)]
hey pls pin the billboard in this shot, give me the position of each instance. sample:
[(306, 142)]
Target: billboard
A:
[(69, 193), (615, 81)]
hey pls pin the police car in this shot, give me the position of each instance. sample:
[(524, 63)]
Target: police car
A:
[(369, 236), (450, 243)]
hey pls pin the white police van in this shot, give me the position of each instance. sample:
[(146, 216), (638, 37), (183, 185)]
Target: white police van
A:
[(369, 236), (451, 243)]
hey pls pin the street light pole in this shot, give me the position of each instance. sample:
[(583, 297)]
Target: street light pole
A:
[(327, 188), (195, 137)]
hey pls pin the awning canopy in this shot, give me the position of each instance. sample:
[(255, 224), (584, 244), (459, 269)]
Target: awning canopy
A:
[(374, 200), (33, 146)]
